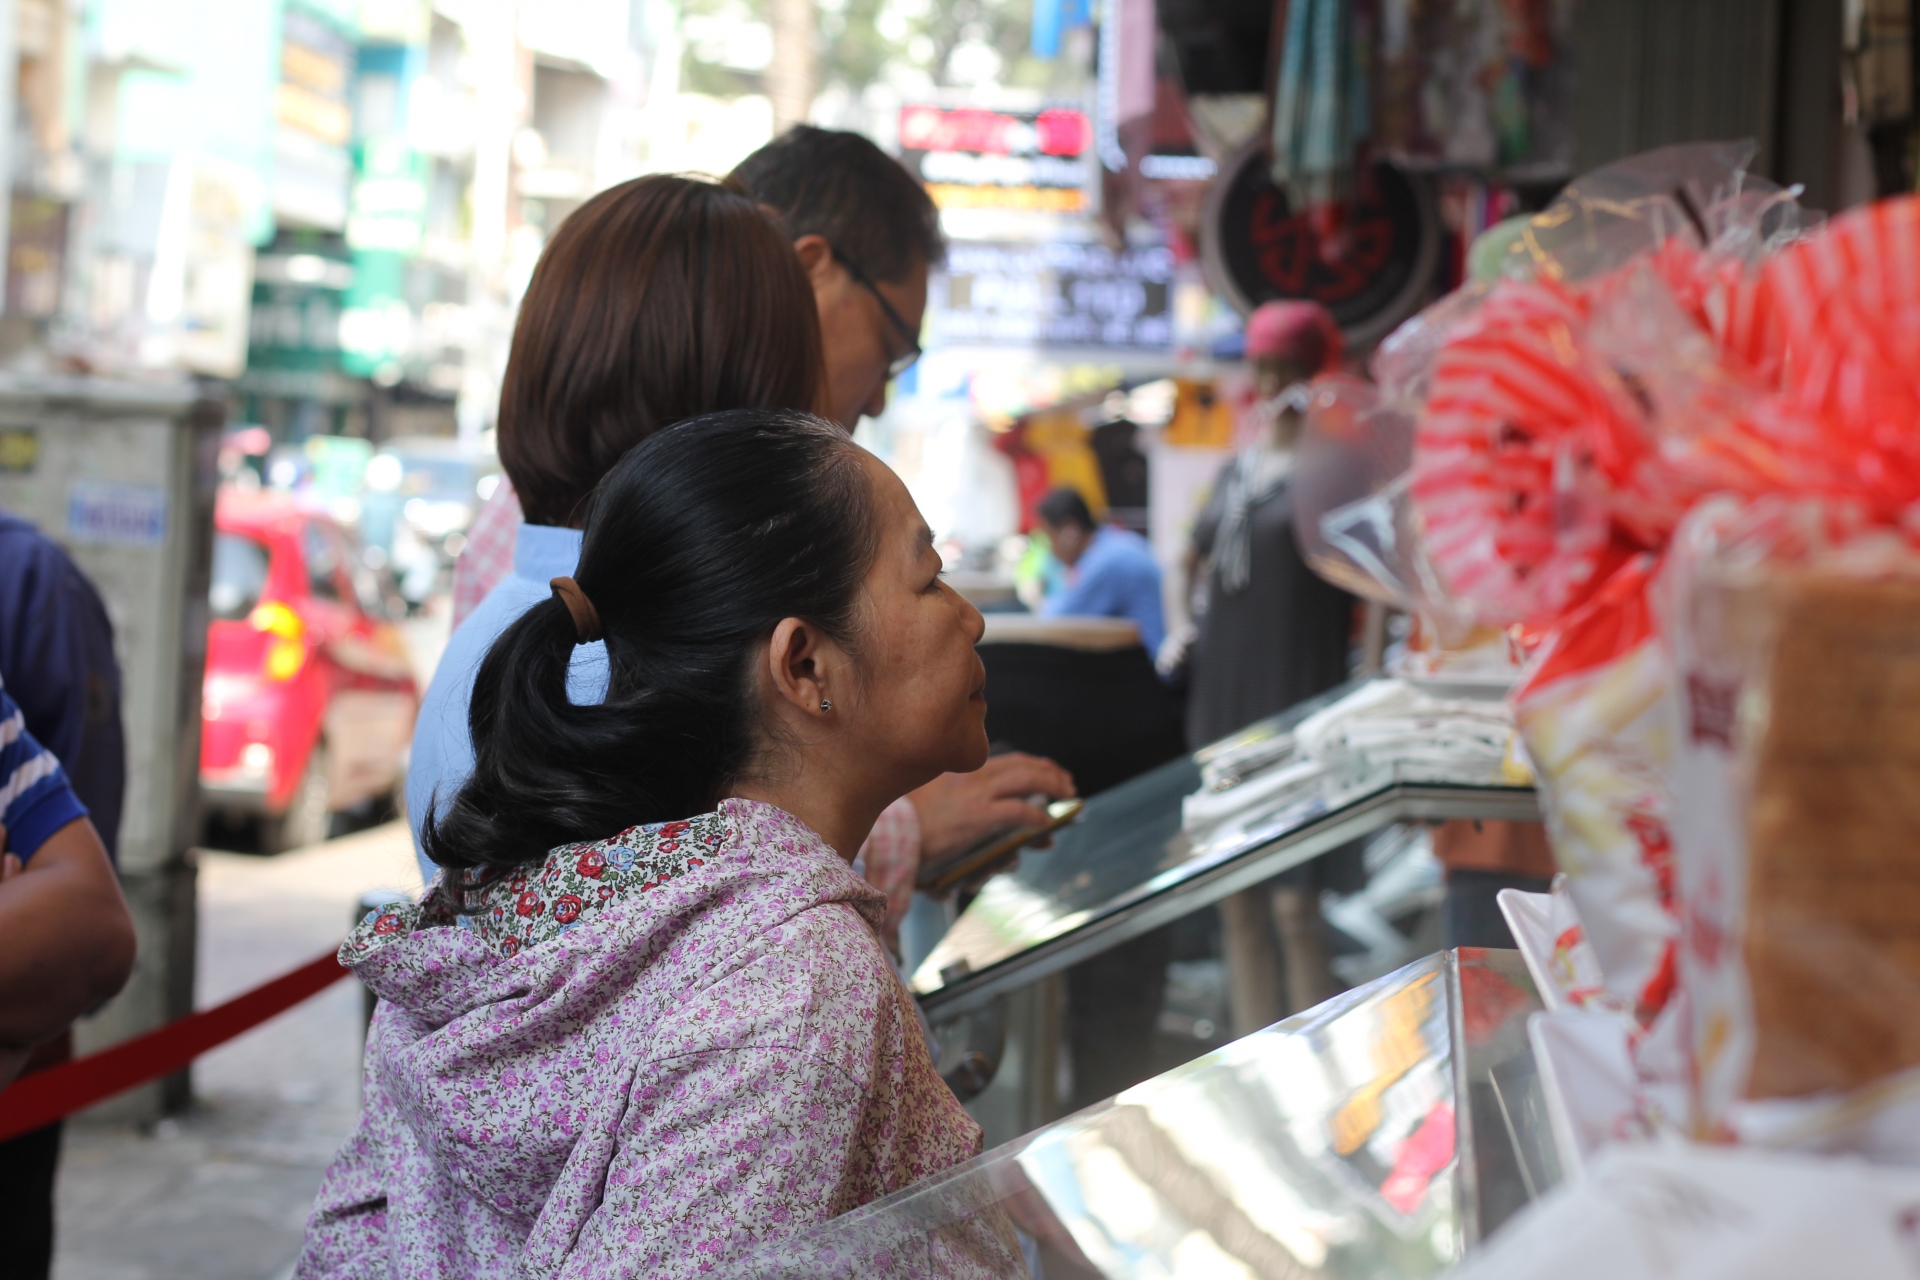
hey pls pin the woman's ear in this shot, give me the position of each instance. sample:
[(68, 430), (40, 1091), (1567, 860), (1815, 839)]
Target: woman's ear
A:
[(800, 661)]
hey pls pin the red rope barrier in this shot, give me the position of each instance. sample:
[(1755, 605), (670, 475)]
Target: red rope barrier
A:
[(46, 1096)]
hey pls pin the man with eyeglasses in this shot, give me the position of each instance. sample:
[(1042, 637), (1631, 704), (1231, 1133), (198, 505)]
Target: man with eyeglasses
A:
[(867, 234)]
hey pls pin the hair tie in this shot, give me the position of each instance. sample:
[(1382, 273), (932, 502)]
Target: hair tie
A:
[(586, 618)]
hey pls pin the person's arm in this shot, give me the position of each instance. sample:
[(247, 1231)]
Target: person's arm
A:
[(890, 860), (724, 1150), (1195, 564), (1182, 630), (347, 1230), (959, 810), (12, 1059), (1146, 607), (1082, 594), (40, 641), (69, 940), (951, 814)]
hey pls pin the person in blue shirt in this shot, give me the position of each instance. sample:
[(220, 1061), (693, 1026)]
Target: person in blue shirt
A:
[(1111, 572), (35, 798), (56, 643), (69, 939)]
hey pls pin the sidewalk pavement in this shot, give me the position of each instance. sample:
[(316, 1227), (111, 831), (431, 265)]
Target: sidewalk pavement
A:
[(222, 1193)]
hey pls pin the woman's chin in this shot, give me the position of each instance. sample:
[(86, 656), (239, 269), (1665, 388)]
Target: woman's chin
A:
[(976, 752)]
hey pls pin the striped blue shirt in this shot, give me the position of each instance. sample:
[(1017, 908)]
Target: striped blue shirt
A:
[(35, 800)]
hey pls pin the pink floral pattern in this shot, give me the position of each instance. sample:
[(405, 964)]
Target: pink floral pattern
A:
[(538, 903), (889, 861), (654, 1082)]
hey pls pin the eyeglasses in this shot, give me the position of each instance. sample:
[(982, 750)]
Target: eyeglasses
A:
[(905, 360)]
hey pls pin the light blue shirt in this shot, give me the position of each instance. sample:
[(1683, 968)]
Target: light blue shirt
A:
[(442, 746), (1116, 578)]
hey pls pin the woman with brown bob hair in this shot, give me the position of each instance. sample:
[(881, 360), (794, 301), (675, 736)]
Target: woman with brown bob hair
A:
[(658, 300)]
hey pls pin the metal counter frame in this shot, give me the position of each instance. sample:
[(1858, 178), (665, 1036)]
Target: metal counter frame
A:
[(1400, 802)]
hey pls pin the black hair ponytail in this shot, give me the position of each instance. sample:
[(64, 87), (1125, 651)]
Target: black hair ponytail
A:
[(699, 541)]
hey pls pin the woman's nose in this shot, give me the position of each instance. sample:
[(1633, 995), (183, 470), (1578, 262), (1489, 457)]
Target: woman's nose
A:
[(974, 621)]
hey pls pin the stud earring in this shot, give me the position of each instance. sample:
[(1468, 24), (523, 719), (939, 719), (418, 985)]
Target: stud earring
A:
[(825, 705)]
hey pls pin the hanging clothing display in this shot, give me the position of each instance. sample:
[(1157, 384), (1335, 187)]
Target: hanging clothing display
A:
[(1485, 84), (1321, 108)]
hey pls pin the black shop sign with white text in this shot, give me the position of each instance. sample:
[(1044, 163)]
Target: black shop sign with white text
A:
[(1053, 294)]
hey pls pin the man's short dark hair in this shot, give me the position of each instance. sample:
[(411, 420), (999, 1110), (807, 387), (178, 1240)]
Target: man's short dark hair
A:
[(840, 186), (1066, 506)]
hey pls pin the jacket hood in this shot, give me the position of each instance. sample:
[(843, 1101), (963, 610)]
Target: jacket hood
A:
[(487, 1007)]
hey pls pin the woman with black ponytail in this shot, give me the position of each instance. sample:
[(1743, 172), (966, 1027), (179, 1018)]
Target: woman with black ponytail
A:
[(658, 300), (645, 1025)]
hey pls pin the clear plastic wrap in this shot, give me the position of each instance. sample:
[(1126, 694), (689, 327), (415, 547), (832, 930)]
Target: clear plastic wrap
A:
[(1589, 399), (1679, 394), (1571, 421), (1352, 510), (1567, 430), (1353, 444), (1698, 192), (1677, 1210)]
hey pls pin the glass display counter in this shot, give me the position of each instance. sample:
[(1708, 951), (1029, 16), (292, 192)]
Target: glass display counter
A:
[(1380, 1135), (1230, 816)]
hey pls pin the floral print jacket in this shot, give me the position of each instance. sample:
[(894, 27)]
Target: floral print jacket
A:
[(647, 1057)]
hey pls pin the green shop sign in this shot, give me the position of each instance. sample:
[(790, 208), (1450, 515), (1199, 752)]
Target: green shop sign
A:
[(386, 225)]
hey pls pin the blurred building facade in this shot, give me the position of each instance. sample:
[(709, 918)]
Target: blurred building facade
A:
[(332, 206), (329, 205)]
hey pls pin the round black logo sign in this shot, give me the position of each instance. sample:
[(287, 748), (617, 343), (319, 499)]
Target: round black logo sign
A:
[(1370, 263)]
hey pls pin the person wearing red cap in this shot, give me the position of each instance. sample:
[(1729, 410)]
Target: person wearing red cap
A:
[(1289, 341), (1272, 633)]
